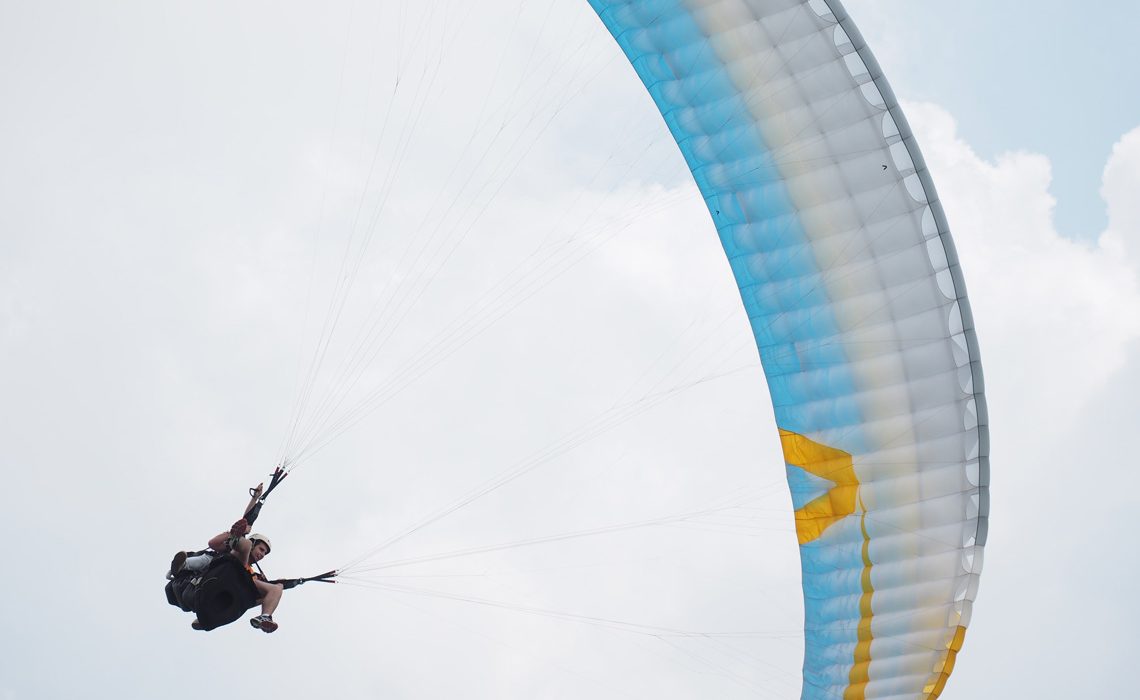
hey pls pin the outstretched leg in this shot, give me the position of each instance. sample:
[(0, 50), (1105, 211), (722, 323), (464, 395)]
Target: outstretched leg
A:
[(270, 597)]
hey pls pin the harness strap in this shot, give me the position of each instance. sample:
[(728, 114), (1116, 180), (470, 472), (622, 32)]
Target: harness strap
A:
[(276, 478), (288, 583)]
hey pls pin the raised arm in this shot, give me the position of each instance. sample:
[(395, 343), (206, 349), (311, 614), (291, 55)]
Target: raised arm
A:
[(241, 527), (218, 542), (254, 507)]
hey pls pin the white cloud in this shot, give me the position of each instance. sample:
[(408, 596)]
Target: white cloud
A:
[(1059, 325), (1055, 316), (1120, 188)]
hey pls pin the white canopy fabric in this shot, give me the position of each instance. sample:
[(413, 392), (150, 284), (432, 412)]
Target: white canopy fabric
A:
[(849, 277)]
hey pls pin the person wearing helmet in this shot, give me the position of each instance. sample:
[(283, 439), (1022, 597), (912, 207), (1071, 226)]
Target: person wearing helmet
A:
[(247, 550), (190, 563)]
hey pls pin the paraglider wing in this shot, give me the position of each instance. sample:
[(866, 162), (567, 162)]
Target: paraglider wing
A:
[(850, 280)]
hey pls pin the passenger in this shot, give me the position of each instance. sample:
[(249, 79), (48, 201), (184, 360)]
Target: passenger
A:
[(248, 551)]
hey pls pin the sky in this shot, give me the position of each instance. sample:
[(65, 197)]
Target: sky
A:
[(185, 187), (1046, 81)]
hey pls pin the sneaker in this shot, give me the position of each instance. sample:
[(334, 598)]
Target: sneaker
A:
[(176, 565), (264, 623)]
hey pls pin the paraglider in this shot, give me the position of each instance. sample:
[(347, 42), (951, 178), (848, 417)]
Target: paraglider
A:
[(220, 583), (845, 266), (844, 262)]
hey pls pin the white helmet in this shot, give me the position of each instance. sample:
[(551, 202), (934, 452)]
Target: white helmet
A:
[(255, 538)]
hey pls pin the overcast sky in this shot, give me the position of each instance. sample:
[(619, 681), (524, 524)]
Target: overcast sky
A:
[(182, 185)]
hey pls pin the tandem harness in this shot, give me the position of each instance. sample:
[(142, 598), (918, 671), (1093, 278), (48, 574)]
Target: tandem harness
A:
[(225, 590)]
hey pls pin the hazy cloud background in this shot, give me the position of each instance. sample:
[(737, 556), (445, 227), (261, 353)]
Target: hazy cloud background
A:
[(177, 185)]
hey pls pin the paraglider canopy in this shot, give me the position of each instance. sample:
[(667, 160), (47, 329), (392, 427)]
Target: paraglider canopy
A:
[(847, 271)]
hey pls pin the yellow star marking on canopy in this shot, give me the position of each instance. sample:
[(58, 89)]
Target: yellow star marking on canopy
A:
[(828, 463), (840, 501)]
